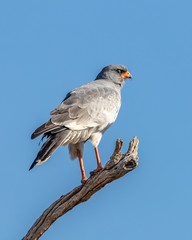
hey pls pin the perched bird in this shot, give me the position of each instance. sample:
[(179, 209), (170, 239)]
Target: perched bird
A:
[(85, 114)]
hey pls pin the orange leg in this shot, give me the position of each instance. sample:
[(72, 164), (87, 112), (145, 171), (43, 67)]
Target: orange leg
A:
[(99, 166), (84, 178)]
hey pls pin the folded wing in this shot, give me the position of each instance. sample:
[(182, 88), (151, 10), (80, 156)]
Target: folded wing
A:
[(89, 106)]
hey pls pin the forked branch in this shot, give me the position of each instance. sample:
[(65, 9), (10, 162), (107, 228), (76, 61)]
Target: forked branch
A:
[(118, 165)]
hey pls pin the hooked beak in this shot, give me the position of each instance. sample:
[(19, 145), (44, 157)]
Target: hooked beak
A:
[(126, 75)]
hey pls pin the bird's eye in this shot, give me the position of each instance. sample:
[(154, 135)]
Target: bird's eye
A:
[(119, 71)]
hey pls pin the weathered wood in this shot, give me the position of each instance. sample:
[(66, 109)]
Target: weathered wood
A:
[(118, 165)]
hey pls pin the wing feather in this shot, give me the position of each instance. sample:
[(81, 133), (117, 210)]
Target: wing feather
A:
[(88, 106)]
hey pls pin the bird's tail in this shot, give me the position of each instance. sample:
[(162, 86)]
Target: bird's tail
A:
[(52, 143)]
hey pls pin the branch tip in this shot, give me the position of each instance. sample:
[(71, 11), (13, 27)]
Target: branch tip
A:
[(118, 147), (133, 146)]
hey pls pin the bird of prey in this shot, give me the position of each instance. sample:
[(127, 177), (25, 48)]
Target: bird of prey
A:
[(85, 114)]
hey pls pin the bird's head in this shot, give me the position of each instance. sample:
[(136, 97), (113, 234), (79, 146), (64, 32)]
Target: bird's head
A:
[(115, 73)]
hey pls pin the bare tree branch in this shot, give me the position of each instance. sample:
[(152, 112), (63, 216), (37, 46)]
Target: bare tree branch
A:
[(118, 165)]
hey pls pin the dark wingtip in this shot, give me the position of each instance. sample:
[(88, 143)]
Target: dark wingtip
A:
[(33, 136), (32, 165)]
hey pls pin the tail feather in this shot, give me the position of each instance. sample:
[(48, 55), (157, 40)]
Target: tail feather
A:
[(47, 127), (32, 165), (53, 142)]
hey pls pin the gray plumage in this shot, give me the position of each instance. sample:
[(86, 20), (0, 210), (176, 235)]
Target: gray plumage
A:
[(85, 114)]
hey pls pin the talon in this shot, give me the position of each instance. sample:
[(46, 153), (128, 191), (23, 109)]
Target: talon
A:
[(92, 173), (83, 181), (98, 169)]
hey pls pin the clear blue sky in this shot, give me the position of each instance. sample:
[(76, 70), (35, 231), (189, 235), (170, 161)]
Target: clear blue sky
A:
[(48, 48)]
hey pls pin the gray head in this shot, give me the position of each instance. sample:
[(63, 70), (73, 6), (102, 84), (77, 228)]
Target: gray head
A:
[(115, 73)]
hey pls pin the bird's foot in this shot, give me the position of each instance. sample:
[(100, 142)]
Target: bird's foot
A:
[(94, 172), (84, 180)]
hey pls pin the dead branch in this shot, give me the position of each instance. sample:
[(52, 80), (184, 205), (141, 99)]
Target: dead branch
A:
[(118, 165)]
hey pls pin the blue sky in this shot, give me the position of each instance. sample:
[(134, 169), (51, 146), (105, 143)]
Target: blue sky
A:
[(48, 48)]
